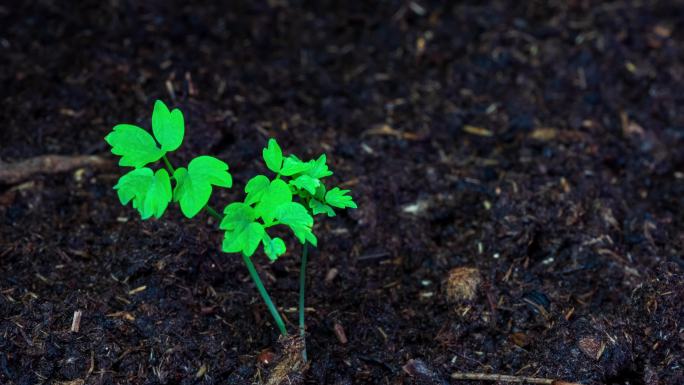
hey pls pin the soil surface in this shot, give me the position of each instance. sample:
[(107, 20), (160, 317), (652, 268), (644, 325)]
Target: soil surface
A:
[(535, 145)]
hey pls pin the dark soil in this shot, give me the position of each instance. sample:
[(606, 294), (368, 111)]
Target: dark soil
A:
[(538, 142)]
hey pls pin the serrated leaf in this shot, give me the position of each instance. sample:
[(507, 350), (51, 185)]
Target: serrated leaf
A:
[(273, 156), (305, 182), (274, 247), (255, 188), (319, 168), (320, 192), (245, 239), (293, 165), (317, 207), (150, 192), (194, 185), (297, 218), (339, 198), (168, 126), (277, 193), (135, 146)]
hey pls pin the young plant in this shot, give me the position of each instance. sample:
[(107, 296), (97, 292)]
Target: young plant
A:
[(291, 198)]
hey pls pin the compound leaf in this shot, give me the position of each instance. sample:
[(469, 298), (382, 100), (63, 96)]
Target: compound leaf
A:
[(193, 186), (210, 170), (317, 207), (306, 182), (339, 198), (297, 218), (135, 146), (255, 188), (237, 216), (273, 156), (168, 126), (150, 192), (319, 168), (293, 165), (277, 193), (244, 239)]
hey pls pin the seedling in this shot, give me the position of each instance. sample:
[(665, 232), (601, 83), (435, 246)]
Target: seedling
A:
[(291, 198)]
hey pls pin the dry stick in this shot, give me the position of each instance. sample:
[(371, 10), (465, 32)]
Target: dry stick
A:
[(76, 322), (12, 173), (507, 378)]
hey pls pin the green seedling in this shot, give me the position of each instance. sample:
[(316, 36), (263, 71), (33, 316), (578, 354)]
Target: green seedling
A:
[(291, 198)]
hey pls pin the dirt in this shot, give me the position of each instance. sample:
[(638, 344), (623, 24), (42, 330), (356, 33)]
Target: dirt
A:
[(536, 144)]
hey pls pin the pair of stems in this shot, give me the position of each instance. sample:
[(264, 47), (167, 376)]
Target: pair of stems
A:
[(260, 285)]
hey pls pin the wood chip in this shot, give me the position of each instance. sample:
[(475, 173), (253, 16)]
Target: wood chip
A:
[(340, 334), (76, 321), (479, 131)]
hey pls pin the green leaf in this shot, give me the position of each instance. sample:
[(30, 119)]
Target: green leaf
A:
[(319, 169), (244, 239), (339, 198), (150, 192), (273, 248), (255, 188), (320, 192), (193, 186), (297, 218), (158, 196), (273, 156), (293, 165), (237, 215), (135, 146), (277, 193), (305, 182), (317, 207), (168, 126)]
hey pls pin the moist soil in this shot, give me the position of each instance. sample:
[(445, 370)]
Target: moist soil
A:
[(536, 145)]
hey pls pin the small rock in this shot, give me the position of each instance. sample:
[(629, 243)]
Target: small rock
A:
[(462, 284)]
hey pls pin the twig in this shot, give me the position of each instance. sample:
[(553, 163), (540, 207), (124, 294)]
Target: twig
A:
[(76, 322), (507, 378), (12, 173)]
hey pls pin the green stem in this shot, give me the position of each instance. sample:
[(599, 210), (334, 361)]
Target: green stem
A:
[(168, 165), (250, 266), (264, 295), (213, 212), (302, 290)]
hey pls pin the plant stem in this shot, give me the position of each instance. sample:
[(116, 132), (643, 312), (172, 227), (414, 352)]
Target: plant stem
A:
[(168, 165), (250, 266), (213, 213), (264, 295), (302, 290)]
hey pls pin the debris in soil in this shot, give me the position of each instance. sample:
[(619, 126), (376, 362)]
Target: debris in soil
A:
[(418, 369), (12, 173), (592, 346), (508, 378), (339, 333), (462, 284), (290, 368), (540, 143)]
